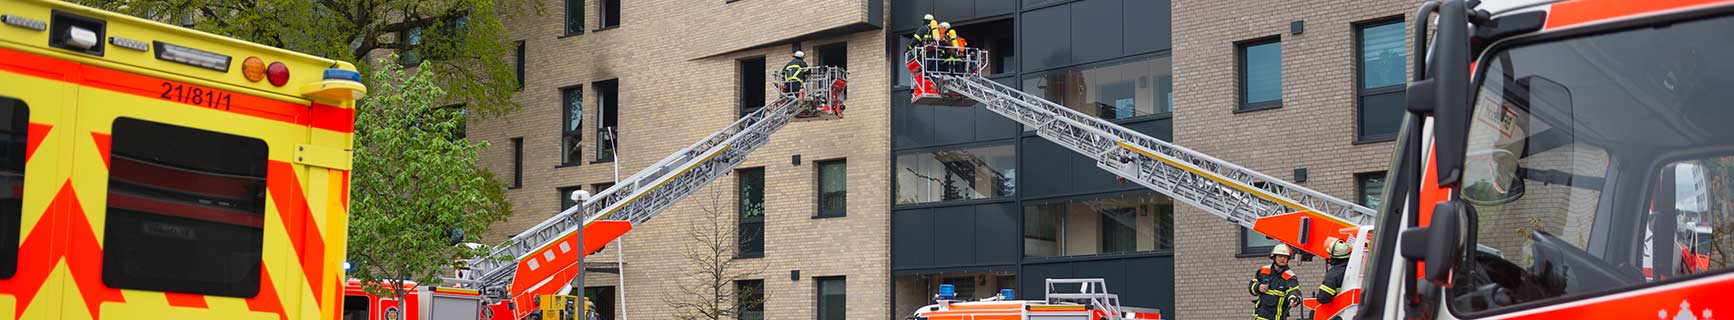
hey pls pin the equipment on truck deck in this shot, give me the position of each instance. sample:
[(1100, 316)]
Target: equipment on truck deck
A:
[(1065, 299), (547, 257)]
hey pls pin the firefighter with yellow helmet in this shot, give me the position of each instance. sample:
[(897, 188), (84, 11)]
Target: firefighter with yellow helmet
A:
[(1275, 288), (1335, 267)]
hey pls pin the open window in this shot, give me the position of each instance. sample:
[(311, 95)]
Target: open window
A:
[(607, 118), (997, 38)]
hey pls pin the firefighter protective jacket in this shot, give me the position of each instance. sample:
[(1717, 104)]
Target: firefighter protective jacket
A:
[(795, 71), (1282, 285), (1333, 280)]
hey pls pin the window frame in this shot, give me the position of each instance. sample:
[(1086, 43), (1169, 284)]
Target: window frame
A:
[(517, 163), (1240, 75), (602, 14), (1361, 186), (522, 56), (1246, 248), (565, 116), (612, 136), (742, 85), (612, 294), (825, 58), (1361, 93), (741, 220), (819, 188), (569, 21), (742, 307), (819, 295), (565, 196)]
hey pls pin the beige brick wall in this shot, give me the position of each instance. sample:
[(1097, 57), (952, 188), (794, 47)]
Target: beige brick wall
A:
[(1315, 128), (676, 60)]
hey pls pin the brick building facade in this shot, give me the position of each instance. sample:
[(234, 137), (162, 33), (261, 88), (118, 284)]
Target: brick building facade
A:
[(674, 69), (677, 69), (1314, 128)]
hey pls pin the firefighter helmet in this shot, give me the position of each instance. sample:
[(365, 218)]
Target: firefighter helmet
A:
[(1340, 249), (800, 54), (928, 17), (946, 25), (1281, 250)]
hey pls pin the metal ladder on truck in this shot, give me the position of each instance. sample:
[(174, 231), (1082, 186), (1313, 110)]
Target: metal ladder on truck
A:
[(1300, 217), (545, 258)]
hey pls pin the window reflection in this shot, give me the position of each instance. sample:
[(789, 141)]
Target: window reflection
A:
[(1118, 91), (959, 174), (1113, 224)]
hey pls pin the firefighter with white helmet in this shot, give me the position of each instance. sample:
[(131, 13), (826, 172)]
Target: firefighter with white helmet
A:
[(1335, 268), (1274, 287), (795, 74)]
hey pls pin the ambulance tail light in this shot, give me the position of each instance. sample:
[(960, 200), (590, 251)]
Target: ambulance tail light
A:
[(277, 73)]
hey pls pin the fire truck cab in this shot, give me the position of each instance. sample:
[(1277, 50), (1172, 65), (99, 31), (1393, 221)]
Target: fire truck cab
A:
[(1540, 166)]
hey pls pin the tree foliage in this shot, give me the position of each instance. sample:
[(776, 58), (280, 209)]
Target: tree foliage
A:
[(416, 180), (467, 35), (707, 287)]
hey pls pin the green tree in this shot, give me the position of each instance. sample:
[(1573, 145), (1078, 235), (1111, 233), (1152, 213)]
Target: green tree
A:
[(416, 184), (466, 36)]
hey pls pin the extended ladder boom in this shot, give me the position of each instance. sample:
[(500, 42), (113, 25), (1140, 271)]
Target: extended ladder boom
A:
[(1227, 190), (546, 255)]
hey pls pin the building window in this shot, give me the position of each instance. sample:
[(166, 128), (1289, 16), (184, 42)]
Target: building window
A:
[(178, 195), (604, 299), (520, 64), (832, 298), (566, 197), (750, 191), (16, 131), (596, 189), (1260, 74), (1380, 95), (751, 73), (517, 162), (1104, 225), (833, 55), (610, 13), (956, 174), (994, 36), (1116, 91), (833, 188), (410, 38), (574, 17), (608, 116), (1370, 189), (571, 138), (750, 299), (1253, 243)]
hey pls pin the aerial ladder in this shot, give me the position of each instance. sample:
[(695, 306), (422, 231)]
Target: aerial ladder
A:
[(546, 258), (1300, 217)]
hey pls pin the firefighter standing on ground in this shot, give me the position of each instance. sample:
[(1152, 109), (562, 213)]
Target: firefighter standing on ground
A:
[(1275, 287)]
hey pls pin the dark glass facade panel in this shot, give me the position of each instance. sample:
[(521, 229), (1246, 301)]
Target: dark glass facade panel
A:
[(1111, 224), (955, 174), (1116, 91)]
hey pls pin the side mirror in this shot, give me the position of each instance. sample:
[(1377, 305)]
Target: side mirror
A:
[(1439, 244)]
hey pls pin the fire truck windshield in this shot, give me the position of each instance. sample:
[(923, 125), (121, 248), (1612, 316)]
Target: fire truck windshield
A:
[(1574, 141)]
